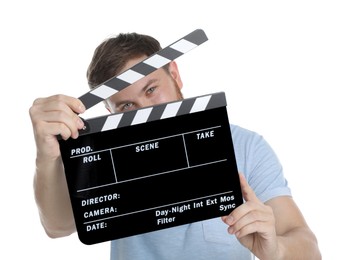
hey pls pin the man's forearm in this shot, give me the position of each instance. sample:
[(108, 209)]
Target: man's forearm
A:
[(52, 198), (299, 243)]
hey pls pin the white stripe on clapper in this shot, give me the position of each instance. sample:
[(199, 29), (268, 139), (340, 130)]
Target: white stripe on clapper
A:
[(130, 76), (112, 122), (171, 110), (104, 91), (200, 104), (183, 46), (141, 116), (157, 61)]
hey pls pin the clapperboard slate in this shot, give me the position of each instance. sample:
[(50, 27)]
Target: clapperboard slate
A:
[(153, 168)]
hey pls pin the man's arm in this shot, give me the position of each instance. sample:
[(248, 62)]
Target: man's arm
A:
[(52, 199), (52, 116), (274, 230), (296, 240)]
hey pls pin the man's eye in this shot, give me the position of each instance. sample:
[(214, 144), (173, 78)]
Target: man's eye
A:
[(127, 106), (150, 90)]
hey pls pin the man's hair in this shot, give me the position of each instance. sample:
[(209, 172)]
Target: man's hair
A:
[(111, 55)]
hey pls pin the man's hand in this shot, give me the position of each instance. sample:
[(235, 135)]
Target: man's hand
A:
[(52, 116), (253, 223)]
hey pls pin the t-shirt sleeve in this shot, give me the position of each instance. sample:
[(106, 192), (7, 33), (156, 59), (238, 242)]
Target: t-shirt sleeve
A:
[(259, 163)]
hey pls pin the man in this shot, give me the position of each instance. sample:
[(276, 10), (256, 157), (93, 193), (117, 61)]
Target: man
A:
[(269, 224)]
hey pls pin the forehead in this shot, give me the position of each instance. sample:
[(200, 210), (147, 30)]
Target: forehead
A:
[(131, 62)]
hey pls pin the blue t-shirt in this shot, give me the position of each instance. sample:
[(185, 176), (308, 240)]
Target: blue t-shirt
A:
[(209, 239)]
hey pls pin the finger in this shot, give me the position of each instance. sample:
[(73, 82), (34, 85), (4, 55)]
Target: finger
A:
[(73, 103), (65, 132), (238, 213), (255, 227), (65, 117), (68, 127), (54, 129), (57, 109), (252, 221), (251, 202)]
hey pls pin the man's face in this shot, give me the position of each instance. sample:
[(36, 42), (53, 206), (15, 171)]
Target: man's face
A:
[(156, 88)]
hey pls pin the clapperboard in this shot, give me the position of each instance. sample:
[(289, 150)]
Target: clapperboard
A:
[(152, 168)]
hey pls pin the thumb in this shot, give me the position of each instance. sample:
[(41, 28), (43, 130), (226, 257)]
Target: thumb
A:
[(247, 191)]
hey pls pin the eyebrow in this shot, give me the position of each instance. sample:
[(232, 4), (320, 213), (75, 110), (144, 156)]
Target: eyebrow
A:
[(147, 85)]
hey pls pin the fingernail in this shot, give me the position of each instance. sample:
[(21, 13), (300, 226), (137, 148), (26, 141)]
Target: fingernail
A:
[(230, 230), (82, 108), (76, 135), (229, 220), (80, 123)]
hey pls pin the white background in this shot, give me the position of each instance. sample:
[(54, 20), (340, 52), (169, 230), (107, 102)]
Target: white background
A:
[(279, 62)]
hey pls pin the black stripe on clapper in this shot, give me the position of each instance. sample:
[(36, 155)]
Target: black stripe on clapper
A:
[(127, 118)]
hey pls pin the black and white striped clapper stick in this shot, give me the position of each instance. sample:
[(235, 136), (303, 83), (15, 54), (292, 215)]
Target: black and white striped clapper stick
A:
[(143, 68)]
